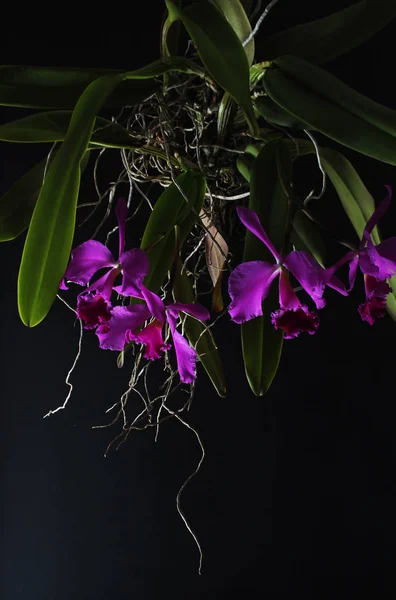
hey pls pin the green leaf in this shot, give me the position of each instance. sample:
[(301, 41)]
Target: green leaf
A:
[(52, 127), (244, 165), (171, 209), (329, 118), (17, 204), (324, 84), (325, 39), (170, 34), (206, 347), (306, 236), (52, 87), (273, 113), (261, 343), (235, 14), (355, 198), (49, 239), (220, 51), (391, 299), (225, 116)]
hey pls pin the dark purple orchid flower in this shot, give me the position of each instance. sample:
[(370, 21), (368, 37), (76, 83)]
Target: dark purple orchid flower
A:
[(250, 282), (125, 325), (377, 263), (93, 304)]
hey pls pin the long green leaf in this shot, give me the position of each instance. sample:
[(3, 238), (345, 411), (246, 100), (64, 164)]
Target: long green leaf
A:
[(325, 39), (52, 87), (355, 198), (391, 299), (219, 49), (235, 14), (195, 331), (261, 343), (329, 118), (171, 209), (52, 127), (49, 240), (50, 235), (324, 84), (306, 236), (18, 202), (357, 202)]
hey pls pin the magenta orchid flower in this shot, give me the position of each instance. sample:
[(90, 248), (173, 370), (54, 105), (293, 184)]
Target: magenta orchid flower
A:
[(250, 282), (376, 262), (125, 324), (93, 304)]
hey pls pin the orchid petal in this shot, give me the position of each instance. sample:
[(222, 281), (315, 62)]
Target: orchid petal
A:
[(376, 216), (93, 309), (195, 310), (151, 337), (295, 321), (376, 288), (379, 261), (86, 259), (154, 303), (287, 296), (252, 223), (353, 267), (124, 319), (104, 285), (336, 284), (186, 356), (248, 286), (122, 213), (308, 273), (372, 309), (375, 306), (135, 266)]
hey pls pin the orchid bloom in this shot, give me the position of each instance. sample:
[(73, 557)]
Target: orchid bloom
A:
[(250, 282), (377, 263), (93, 304), (125, 324)]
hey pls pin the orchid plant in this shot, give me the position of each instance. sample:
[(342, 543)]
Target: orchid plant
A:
[(219, 126)]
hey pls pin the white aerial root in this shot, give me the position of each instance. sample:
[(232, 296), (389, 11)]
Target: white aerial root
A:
[(179, 493), (52, 412)]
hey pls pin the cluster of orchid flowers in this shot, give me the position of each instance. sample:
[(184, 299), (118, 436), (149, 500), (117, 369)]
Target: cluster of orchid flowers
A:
[(248, 286)]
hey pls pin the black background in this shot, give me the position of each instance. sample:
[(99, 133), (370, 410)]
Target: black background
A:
[(296, 494)]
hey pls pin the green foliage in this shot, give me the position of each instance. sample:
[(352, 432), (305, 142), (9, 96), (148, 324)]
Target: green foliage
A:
[(220, 51), (235, 14), (322, 114), (49, 239), (18, 202), (52, 126), (60, 88), (325, 39), (326, 85), (171, 209), (261, 343)]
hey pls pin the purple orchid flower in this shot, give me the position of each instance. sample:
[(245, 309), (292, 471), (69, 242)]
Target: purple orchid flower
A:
[(125, 324), (93, 304), (377, 263), (250, 282)]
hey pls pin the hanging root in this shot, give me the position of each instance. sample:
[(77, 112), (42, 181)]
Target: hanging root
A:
[(186, 482), (62, 406)]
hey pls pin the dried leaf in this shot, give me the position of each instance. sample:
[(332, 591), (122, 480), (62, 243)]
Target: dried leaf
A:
[(215, 255)]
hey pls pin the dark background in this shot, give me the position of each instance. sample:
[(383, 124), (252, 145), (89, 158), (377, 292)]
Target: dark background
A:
[(296, 495)]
